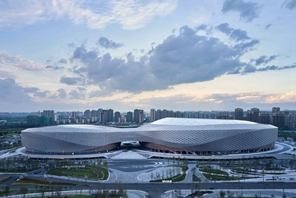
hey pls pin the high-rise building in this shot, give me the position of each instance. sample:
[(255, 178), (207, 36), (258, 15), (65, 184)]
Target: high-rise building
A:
[(47, 117), (275, 110), (249, 115), (74, 114), (279, 119), (158, 114), (103, 116), (164, 113), (152, 115), (87, 114), (110, 115), (138, 116), (223, 115), (129, 117), (117, 116), (48, 113), (94, 113), (264, 117), (238, 114), (255, 114)]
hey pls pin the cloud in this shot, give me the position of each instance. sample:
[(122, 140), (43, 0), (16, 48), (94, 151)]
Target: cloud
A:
[(264, 59), (235, 34), (5, 74), (63, 61), (190, 58), (41, 94), (201, 27), (184, 57), (268, 26), (290, 4), (220, 101), (62, 93), (70, 80), (224, 27), (13, 95), (100, 93), (74, 94), (83, 55), (8, 60), (248, 10), (252, 69), (54, 67), (108, 44), (130, 14)]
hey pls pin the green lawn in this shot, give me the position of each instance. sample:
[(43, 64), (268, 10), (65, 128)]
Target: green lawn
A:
[(214, 171), (224, 177), (89, 172), (40, 182), (176, 178)]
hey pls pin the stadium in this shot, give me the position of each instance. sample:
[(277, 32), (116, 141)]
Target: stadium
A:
[(173, 135)]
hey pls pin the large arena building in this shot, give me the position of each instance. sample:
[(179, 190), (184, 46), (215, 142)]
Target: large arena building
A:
[(177, 135)]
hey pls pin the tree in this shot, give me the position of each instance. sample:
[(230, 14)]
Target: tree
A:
[(6, 190), (222, 194), (58, 191), (24, 191), (42, 189), (291, 163), (230, 194)]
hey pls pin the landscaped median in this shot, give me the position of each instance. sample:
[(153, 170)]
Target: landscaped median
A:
[(217, 174), (87, 172), (41, 182), (4, 179), (176, 178)]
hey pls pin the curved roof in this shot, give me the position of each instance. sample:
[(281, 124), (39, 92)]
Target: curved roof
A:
[(165, 123), (178, 133), (191, 121)]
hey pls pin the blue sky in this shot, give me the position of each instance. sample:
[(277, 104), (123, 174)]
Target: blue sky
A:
[(179, 55)]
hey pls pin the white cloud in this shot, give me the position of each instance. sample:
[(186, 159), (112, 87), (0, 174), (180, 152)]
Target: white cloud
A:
[(131, 14), (8, 60)]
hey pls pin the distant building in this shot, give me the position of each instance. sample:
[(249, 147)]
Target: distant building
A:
[(279, 120), (138, 116), (117, 116), (253, 115), (110, 115), (238, 114), (74, 114), (48, 113), (275, 110), (264, 117), (152, 115), (129, 117), (87, 114), (42, 120), (158, 114), (224, 115)]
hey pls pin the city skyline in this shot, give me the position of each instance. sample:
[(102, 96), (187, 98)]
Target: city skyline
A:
[(200, 55)]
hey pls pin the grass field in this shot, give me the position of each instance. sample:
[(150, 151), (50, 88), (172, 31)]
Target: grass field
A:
[(39, 182), (88, 172)]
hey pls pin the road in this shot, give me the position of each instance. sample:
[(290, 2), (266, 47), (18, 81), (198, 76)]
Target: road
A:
[(157, 189)]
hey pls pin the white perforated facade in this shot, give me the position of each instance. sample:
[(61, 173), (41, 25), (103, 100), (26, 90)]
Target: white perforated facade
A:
[(169, 134)]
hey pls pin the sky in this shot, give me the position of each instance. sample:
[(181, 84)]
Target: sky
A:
[(73, 55)]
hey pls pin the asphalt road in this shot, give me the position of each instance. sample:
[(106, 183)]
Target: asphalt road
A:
[(156, 189)]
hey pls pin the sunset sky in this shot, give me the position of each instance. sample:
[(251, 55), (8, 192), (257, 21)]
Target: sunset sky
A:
[(181, 55)]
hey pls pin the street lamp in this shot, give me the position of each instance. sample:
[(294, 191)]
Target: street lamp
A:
[(263, 178)]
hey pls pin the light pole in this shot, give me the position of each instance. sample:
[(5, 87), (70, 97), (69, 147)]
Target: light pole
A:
[(263, 178)]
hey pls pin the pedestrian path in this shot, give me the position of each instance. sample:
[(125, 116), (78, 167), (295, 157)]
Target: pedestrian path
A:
[(128, 155)]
